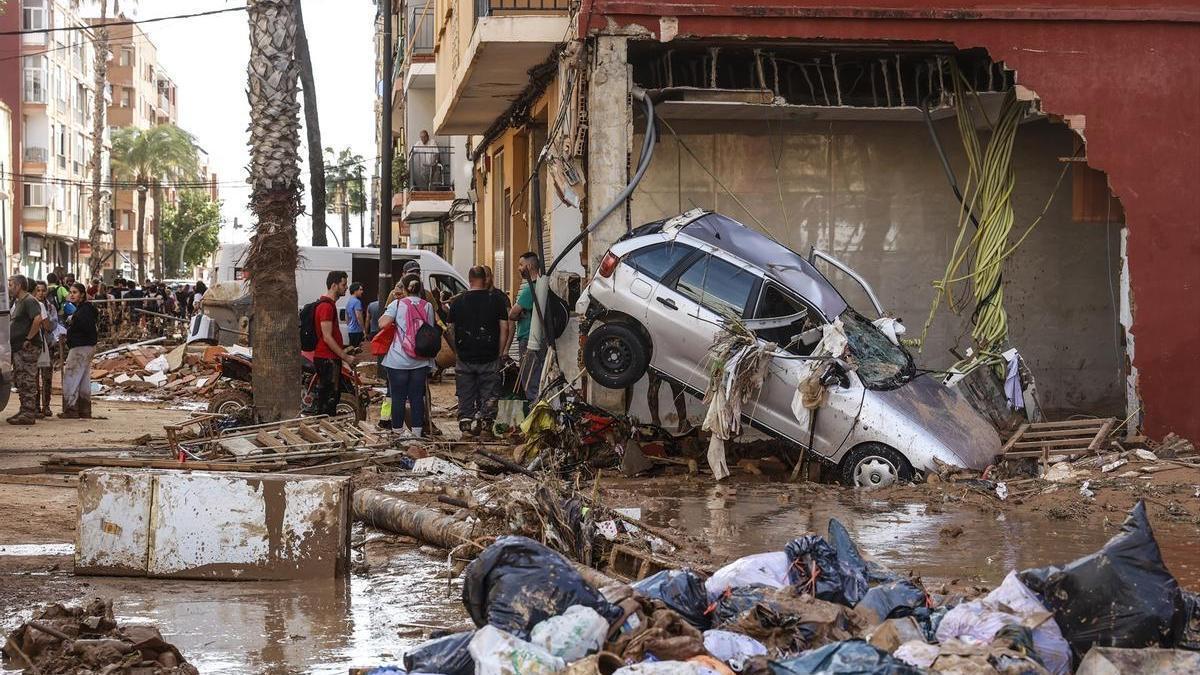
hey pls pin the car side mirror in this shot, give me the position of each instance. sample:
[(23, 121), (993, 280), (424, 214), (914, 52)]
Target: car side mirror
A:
[(835, 373)]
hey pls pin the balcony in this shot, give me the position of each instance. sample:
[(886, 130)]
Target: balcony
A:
[(501, 41), (421, 24), (430, 182), (36, 155)]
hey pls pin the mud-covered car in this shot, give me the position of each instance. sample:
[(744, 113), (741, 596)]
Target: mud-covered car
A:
[(663, 293)]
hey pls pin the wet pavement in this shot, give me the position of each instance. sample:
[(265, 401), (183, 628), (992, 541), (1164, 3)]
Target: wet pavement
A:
[(388, 603)]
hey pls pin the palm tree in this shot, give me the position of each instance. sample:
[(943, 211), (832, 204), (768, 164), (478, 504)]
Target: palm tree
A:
[(312, 128), (344, 186), (275, 199), (145, 157)]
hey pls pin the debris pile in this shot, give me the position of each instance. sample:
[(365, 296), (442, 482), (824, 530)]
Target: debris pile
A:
[(157, 370), (86, 639), (818, 606)]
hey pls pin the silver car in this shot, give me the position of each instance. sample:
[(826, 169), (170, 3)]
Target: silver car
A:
[(662, 294)]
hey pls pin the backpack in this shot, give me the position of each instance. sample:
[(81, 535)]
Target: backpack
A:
[(421, 339), (556, 317), (308, 325)]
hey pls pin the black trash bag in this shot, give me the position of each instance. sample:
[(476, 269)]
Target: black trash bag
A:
[(1119, 596), (847, 552), (840, 581), (894, 600), (736, 602), (446, 655), (681, 590), (1189, 633), (517, 583), (849, 657)]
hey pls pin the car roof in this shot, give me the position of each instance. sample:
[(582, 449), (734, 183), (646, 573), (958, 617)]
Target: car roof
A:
[(778, 262)]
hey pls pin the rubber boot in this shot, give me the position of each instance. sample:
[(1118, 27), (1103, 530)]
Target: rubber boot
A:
[(70, 412), (85, 408)]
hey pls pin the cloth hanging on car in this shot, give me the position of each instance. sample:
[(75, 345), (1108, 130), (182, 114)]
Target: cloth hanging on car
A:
[(738, 365), (810, 393)]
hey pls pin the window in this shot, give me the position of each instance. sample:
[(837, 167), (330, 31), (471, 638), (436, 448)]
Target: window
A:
[(444, 283), (718, 285), (126, 96), (33, 15), (60, 84), (126, 57), (35, 79), (62, 146), (879, 363), (35, 194), (655, 261), (774, 304)]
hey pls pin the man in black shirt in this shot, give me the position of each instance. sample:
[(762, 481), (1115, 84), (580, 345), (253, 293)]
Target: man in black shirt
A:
[(478, 329)]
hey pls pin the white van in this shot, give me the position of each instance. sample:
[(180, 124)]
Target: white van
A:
[(362, 264)]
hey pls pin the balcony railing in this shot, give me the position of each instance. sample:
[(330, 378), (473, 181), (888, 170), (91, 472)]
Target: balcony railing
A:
[(38, 155), (429, 169), (420, 27), (490, 7)]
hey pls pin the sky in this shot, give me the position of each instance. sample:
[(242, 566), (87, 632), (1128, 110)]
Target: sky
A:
[(206, 57)]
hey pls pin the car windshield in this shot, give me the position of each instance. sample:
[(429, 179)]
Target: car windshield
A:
[(880, 364)]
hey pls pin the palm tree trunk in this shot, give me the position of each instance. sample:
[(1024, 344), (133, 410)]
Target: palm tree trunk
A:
[(275, 200), (312, 128), (98, 110), (345, 220), (141, 232), (158, 242)]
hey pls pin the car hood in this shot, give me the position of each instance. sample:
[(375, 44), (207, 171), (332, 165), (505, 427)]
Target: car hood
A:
[(948, 419)]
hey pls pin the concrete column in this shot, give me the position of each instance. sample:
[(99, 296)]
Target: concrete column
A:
[(610, 144)]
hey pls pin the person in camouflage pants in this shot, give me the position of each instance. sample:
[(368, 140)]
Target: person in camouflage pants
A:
[(25, 318)]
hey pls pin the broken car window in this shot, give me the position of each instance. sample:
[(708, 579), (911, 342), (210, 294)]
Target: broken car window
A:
[(775, 303), (655, 261), (718, 285), (880, 364)]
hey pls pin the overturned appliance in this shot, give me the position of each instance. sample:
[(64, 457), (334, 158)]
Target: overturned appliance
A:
[(665, 294)]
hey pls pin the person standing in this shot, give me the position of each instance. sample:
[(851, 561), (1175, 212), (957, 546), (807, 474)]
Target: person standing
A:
[(356, 315), (329, 354), (25, 322), (81, 345), (523, 313), (502, 297), (48, 361), (478, 330), (374, 310), (407, 373)]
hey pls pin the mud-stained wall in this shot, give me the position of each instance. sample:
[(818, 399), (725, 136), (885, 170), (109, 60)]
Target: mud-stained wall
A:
[(874, 195)]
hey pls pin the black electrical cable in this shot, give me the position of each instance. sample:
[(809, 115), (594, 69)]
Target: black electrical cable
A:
[(126, 22)]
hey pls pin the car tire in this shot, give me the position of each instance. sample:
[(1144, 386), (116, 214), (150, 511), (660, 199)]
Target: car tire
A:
[(349, 403), (874, 465), (615, 355), (230, 402)]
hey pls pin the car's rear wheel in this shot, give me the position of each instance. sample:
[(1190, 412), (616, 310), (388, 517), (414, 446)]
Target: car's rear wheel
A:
[(615, 355), (349, 404), (874, 465), (230, 402)]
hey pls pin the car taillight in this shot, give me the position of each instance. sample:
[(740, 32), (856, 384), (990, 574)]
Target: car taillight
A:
[(608, 264)]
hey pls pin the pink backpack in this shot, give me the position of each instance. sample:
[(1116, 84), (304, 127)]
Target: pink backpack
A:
[(414, 318)]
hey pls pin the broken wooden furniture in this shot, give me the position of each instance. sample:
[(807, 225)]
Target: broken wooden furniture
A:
[(1043, 440)]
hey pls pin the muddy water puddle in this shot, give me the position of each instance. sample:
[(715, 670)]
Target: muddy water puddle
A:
[(743, 518)]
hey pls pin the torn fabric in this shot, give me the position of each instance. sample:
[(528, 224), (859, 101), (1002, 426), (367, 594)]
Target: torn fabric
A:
[(810, 394)]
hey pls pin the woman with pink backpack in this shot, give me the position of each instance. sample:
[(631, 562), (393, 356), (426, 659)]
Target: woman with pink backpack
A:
[(409, 359)]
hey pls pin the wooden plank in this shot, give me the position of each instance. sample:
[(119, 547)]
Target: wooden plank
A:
[(81, 463), (239, 447), (1014, 438), (1102, 435), (267, 441), (1054, 443), (44, 480), (332, 467), (312, 435), (1049, 451), (291, 438), (334, 432), (1086, 434), (1093, 422)]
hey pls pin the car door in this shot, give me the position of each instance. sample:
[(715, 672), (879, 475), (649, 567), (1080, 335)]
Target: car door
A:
[(836, 416), (691, 306)]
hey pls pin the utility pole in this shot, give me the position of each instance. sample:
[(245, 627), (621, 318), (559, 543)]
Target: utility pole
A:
[(385, 156), (362, 211)]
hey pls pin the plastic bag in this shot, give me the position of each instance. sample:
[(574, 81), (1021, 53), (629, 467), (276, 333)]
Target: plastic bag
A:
[(737, 602), (732, 648), (572, 635), (682, 591), (894, 600), (814, 567), (499, 653), (760, 569), (1189, 633), (660, 668), (516, 583), (446, 655), (849, 657), (1119, 596), (847, 552), (1048, 639), (385, 409)]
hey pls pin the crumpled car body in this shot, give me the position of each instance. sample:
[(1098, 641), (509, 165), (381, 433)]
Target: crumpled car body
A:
[(664, 292)]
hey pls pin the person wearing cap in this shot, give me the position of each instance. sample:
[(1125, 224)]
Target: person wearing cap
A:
[(356, 315)]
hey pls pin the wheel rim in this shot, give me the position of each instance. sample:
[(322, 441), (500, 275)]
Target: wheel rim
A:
[(231, 407), (875, 472), (615, 356), (346, 409)]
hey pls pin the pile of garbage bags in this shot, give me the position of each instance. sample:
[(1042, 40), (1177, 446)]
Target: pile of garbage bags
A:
[(818, 607)]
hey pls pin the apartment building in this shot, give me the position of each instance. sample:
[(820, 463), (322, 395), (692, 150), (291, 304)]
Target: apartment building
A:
[(10, 251), (49, 90), (143, 95)]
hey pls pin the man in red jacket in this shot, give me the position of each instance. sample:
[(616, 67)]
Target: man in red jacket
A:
[(329, 354)]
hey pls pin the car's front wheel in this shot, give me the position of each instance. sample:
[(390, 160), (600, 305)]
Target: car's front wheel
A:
[(874, 465), (615, 355)]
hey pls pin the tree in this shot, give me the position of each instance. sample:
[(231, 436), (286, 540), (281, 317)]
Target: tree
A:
[(312, 128), (399, 171), (275, 188), (344, 186), (191, 228), (146, 157)]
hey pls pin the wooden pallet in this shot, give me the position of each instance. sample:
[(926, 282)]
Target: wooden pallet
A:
[(1070, 437), (300, 438)]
